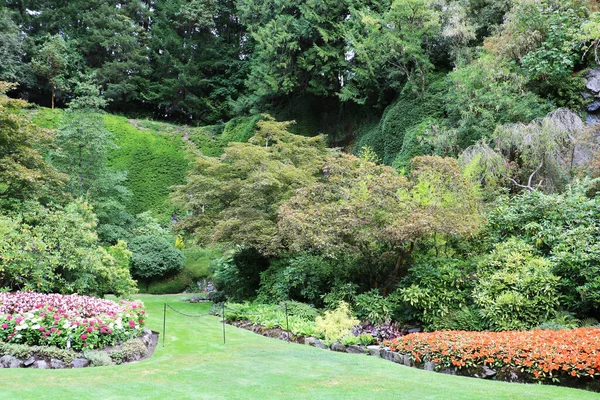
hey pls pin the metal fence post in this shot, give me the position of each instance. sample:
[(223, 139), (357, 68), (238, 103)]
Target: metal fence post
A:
[(164, 323), (287, 321), (223, 322)]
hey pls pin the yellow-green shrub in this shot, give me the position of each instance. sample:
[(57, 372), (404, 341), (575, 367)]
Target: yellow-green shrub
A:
[(336, 324)]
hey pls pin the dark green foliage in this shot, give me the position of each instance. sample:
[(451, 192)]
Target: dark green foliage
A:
[(436, 288), (301, 310), (154, 257), (372, 307), (301, 277), (407, 112), (12, 68), (298, 47), (562, 227), (464, 319), (196, 68), (413, 145), (237, 276), (487, 93)]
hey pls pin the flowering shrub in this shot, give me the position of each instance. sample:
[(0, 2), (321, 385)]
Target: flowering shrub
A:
[(541, 354), (68, 321), (379, 332)]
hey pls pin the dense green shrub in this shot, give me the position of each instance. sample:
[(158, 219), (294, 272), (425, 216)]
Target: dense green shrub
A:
[(154, 257), (562, 227), (372, 307), (302, 277), (301, 310), (57, 250), (408, 111), (486, 93), (237, 276), (436, 287), (515, 289), (340, 291), (98, 358)]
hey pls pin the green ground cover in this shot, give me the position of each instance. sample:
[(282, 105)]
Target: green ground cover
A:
[(194, 364)]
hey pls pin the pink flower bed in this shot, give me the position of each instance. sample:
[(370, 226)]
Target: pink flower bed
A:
[(68, 321)]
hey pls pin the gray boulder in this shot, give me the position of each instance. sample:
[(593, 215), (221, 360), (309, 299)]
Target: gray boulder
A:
[(338, 347), (11, 362), (593, 81), (41, 364), (593, 107), (374, 350), (57, 364), (80, 363), (406, 360), (487, 372), (355, 349)]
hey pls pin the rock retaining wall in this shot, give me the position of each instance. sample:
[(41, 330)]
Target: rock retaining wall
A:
[(36, 361)]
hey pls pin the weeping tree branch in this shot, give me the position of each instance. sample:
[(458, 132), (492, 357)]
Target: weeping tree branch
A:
[(528, 186)]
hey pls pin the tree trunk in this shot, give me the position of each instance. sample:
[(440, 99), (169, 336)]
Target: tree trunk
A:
[(53, 96)]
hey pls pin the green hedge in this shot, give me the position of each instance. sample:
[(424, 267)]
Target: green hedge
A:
[(154, 162)]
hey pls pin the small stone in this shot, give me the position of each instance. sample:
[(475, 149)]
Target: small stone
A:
[(338, 347), (80, 363), (284, 336), (355, 349), (40, 364), (374, 350), (593, 107), (488, 372), (430, 366), (56, 364), (29, 361), (415, 330)]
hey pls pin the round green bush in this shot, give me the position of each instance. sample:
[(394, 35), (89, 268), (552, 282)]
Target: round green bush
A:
[(154, 257)]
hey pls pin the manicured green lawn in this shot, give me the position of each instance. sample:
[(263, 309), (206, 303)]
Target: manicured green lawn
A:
[(194, 364)]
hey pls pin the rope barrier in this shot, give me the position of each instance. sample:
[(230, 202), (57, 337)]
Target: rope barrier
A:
[(188, 315), (223, 307)]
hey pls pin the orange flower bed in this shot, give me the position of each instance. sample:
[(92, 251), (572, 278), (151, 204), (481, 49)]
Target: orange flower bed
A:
[(542, 354)]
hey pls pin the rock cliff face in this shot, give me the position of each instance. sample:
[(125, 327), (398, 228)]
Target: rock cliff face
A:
[(593, 86)]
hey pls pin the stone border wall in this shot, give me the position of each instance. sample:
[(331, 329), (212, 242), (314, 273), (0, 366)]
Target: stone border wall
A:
[(149, 339)]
